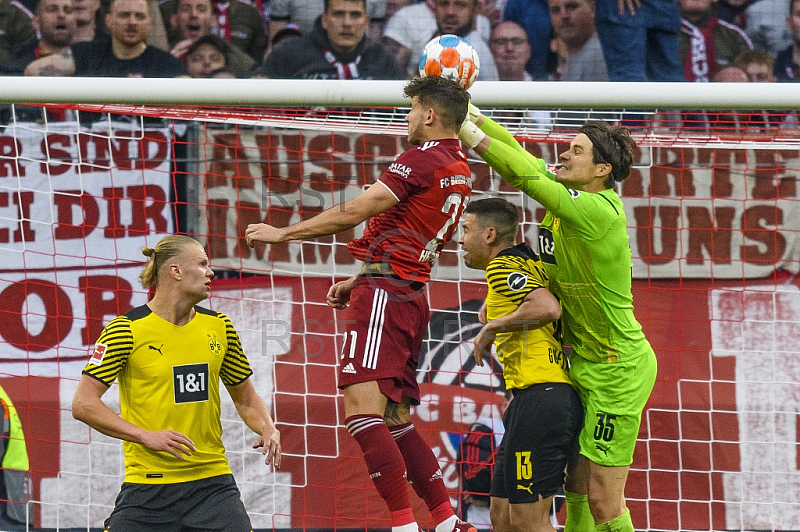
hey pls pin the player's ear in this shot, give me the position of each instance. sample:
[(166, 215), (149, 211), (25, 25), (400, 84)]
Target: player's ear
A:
[(175, 271), (491, 235), (431, 116), (604, 170)]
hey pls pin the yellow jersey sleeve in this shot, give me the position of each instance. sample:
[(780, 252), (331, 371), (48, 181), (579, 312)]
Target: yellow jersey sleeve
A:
[(235, 366), (111, 351)]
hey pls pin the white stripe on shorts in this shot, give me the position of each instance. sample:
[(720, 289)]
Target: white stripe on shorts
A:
[(375, 332)]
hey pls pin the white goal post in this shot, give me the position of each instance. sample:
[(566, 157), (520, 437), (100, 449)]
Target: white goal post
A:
[(546, 95)]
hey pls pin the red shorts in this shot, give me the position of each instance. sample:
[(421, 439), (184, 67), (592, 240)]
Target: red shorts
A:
[(384, 327)]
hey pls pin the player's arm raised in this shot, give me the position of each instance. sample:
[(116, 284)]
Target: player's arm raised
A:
[(88, 406), (539, 308), (254, 412), (375, 200)]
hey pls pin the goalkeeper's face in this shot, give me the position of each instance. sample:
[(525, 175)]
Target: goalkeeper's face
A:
[(578, 170)]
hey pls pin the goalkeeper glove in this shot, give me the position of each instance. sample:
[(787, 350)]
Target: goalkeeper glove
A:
[(470, 134), (473, 113)]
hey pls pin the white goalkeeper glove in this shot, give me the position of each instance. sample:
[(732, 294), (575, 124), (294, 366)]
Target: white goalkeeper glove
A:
[(473, 113), (470, 134)]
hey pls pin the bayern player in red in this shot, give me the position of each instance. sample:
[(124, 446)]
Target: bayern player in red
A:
[(413, 210)]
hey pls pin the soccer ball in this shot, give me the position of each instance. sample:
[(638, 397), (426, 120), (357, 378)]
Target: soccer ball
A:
[(451, 57)]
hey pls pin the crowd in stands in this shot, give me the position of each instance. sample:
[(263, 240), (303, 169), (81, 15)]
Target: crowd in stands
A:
[(567, 40)]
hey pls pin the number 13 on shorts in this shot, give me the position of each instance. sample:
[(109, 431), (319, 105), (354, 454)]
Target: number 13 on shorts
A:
[(524, 466)]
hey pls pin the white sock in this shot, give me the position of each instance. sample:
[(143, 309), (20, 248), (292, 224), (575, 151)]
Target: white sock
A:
[(447, 525), (410, 527)]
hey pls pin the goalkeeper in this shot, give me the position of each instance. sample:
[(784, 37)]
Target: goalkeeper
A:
[(583, 243)]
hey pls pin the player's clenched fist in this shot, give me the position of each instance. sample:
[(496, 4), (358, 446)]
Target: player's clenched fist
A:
[(263, 233)]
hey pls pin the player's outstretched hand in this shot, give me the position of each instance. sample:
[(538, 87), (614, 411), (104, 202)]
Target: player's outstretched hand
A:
[(339, 294), (483, 345), (170, 441), (263, 233), (270, 445)]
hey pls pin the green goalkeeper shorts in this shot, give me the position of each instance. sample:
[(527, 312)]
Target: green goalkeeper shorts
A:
[(613, 396)]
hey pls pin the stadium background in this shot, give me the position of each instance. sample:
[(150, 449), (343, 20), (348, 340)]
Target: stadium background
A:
[(714, 234)]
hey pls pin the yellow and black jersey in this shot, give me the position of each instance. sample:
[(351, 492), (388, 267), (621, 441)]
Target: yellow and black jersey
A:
[(169, 379), (530, 356)]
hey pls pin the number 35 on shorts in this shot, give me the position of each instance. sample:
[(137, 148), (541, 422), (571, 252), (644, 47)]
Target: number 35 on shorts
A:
[(604, 430)]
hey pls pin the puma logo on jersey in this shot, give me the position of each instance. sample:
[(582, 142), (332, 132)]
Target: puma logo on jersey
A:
[(349, 369), (428, 144), (517, 281), (573, 193), (154, 348), (601, 448), (528, 488)]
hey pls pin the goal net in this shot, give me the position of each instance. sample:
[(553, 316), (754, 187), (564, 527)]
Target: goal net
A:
[(714, 226)]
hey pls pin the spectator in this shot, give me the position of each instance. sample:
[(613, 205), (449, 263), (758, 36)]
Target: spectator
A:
[(533, 16), (55, 24), (757, 65), (87, 20), (290, 31), (238, 21), (303, 13), (731, 74), (195, 19), (511, 51), (640, 43), (573, 27), (126, 54), (765, 24), (759, 69), (412, 27), (337, 48), (17, 30), (786, 63), (707, 44), (208, 54)]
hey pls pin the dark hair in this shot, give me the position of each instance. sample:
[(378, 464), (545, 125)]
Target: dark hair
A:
[(362, 2), (611, 145), (497, 213), (217, 42), (448, 98)]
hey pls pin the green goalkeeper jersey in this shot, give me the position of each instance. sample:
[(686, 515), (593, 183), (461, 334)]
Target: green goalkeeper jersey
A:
[(583, 242)]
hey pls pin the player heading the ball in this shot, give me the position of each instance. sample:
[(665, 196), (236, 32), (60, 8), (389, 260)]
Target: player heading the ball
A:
[(413, 210)]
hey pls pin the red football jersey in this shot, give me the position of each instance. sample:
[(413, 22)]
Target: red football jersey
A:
[(432, 184)]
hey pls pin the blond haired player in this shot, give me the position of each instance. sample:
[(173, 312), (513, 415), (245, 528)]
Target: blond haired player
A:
[(169, 357)]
